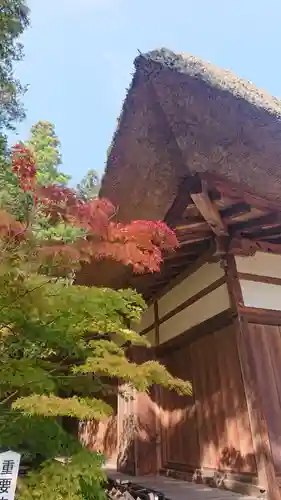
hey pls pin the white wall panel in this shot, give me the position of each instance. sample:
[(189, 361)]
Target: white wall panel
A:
[(203, 309), (146, 320), (261, 295), (193, 284), (151, 336), (263, 264)]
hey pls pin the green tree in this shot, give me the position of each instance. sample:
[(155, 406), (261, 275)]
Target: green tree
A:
[(89, 186), (45, 145), (13, 21), (63, 345)]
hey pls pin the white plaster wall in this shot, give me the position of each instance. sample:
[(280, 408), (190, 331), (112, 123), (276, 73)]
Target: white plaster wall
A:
[(255, 294), (201, 310), (193, 284), (146, 320), (262, 264), (261, 295), (151, 336)]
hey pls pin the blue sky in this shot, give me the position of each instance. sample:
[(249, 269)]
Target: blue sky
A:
[(79, 59)]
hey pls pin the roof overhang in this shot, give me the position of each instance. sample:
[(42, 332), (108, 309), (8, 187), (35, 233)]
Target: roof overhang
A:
[(182, 117)]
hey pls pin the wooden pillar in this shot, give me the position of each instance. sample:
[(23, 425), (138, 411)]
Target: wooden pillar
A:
[(146, 429), (259, 425), (157, 392)]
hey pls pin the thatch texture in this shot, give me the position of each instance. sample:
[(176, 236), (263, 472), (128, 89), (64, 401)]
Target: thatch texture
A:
[(182, 115)]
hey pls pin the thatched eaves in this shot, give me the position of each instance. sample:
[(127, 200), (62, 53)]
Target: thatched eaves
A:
[(182, 115)]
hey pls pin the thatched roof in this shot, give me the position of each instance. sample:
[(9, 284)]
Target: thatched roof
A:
[(182, 115)]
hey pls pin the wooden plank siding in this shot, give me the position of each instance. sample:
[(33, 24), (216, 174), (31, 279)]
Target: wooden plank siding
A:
[(203, 331), (126, 460), (178, 427), (210, 429), (102, 435), (254, 283), (264, 341), (145, 413), (227, 443)]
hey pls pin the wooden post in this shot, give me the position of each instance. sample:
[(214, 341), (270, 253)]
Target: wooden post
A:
[(157, 390), (261, 443)]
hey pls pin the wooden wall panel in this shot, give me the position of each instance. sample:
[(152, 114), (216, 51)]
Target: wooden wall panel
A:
[(211, 429), (179, 435), (102, 436), (146, 442), (126, 430), (264, 342), (223, 423), (146, 415)]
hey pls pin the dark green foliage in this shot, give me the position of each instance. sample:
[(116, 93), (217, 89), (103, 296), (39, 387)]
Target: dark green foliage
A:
[(45, 145), (13, 21), (89, 187)]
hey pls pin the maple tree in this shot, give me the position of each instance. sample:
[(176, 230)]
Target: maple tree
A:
[(62, 344)]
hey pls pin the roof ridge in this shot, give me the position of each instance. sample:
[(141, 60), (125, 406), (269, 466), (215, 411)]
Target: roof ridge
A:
[(223, 79)]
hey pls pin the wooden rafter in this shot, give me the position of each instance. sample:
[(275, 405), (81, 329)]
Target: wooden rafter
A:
[(266, 221), (210, 212), (200, 197), (244, 246), (237, 191)]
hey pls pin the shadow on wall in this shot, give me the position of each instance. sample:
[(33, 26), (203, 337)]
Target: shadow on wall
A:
[(100, 436), (178, 453), (209, 430)]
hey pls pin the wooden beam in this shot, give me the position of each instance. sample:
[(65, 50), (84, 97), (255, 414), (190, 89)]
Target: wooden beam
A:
[(235, 210), (194, 224), (182, 263), (268, 220), (181, 201), (267, 233), (244, 246), (199, 195), (238, 191), (222, 244), (186, 238), (185, 250), (192, 268)]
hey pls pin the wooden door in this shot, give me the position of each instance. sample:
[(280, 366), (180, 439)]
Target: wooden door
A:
[(146, 422), (178, 427), (264, 350), (222, 416)]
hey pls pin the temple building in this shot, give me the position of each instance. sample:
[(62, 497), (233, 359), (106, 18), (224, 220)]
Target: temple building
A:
[(201, 149)]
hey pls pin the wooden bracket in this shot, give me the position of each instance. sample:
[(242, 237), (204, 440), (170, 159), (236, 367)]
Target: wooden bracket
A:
[(199, 194), (221, 246)]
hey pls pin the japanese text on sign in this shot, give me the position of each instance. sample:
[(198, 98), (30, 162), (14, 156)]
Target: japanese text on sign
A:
[(9, 469)]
